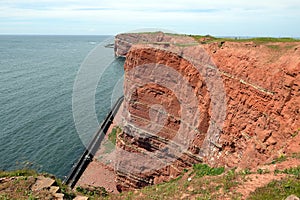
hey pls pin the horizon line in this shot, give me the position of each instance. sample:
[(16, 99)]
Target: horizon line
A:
[(218, 36)]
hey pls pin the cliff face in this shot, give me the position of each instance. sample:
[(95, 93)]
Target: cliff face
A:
[(233, 104), (262, 84)]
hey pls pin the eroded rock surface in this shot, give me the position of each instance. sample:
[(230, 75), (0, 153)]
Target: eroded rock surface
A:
[(234, 104)]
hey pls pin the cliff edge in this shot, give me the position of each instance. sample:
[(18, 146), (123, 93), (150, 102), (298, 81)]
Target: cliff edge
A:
[(225, 103)]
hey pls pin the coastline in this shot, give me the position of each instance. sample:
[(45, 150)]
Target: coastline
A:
[(282, 166), (88, 155), (100, 171)]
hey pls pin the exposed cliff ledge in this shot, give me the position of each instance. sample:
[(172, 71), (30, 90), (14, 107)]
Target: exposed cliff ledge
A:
[(247, 95)]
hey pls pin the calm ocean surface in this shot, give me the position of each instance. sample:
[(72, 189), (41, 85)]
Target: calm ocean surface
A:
[(37, 75)]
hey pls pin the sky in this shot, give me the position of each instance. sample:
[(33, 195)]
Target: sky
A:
[(274, 18)]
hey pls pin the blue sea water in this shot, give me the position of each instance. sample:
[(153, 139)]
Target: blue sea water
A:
[(37, 75)]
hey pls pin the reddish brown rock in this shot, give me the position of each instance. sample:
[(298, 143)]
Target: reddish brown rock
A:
[(247, 95), (123, 42)]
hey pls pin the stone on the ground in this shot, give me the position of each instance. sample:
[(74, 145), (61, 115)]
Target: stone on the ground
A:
[(54, 189), (81, 198), (292, 197), (59, 196), (42, 183)]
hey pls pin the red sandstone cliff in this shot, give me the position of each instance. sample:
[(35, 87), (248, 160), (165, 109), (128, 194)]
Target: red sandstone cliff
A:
[(232, 104)]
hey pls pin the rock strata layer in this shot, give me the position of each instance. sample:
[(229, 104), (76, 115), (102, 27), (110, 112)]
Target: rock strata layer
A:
[(231, 103)]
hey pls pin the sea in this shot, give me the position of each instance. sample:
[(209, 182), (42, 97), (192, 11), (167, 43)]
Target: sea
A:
[(38, 76)]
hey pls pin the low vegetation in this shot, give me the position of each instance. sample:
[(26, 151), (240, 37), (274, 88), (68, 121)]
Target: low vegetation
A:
[(277, 190), (92, 192), (21, 172), (204, 182), (204, 170), (293, 171), (113, 135), (259, 40), (17, 185), (279, 159), (200, 182), (110, 144)]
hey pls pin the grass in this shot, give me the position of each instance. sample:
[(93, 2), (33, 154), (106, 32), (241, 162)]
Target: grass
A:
[(200, 182), (296, 155), (279, 159), (19, 187), (262, 171), (160, 191), (229, 180), (92, 192), (110, 144), (16, 173), (295, 133), (293, 171), (274, 47), (245, 172), (207, 39), (259, 40), (270, 39), (204, 182), (211, 38), (113, 135), (277, 190), (204, 170), (68, 193)]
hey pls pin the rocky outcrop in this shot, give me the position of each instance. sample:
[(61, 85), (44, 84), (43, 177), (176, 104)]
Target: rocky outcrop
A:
[(38, 186), (231, 103), (123, 42)]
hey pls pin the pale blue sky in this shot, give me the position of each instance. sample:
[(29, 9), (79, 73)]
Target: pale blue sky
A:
[(277, 18)]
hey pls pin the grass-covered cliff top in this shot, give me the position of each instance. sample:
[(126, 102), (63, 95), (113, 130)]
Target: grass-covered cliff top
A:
[(209, 39)]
